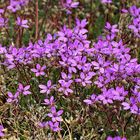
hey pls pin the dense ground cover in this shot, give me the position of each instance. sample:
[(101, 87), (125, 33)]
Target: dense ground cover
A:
[(70, 69)]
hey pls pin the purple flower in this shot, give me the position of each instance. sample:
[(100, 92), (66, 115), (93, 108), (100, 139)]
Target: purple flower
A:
[(3, 22), (111, 28), (124, 11), (81, 63), (133, 105), (3, 50), (106, 97), (119, 93), (65, 83), (136, 91), (14, 56), (1, 131), (55, 115), (1, 11), (106, 1), (80, 27), (135, 27), (12, 98), (69, 5), (46, 88), (66, 78), (100, 82), (91, 100), (54, 126), (100, 65), (39, 70), (16, 5), (50, 101), (24, 2), (24, 90), (65, 88), (43, 124), (120, 50), (84, 79), (22, 23), (81, 24), (134, 11), (71, 62), (126, 105), (116, 138)]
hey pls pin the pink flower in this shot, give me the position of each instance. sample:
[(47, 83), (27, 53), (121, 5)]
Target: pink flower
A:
[(55, 115), (1, 131), (106, 1), (22, 23), (42, 124), (24, 90), (39, 70), (50, 101), (12, 98), (70, 5), (46, 88)]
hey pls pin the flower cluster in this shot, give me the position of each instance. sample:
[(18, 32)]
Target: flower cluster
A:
[(20, 90), (104, 67), (55, 117), (135, 25), (113, 64), (16, 5), (107, 65)]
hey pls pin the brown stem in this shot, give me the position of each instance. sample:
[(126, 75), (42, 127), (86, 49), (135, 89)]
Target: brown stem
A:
[(36, 20), (46, 7), (18, 38)]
